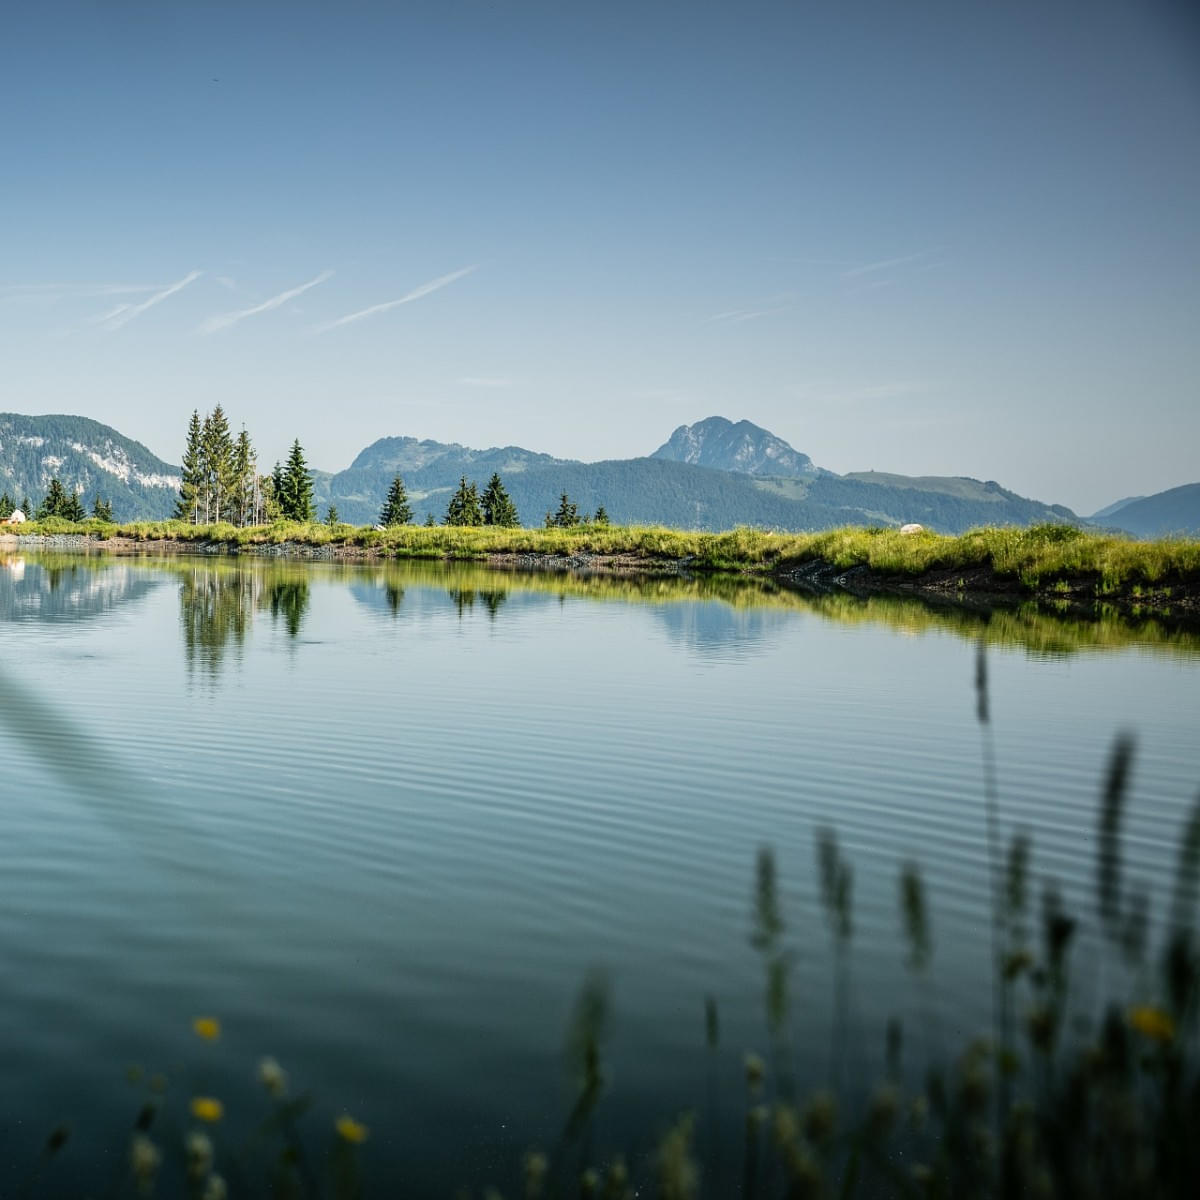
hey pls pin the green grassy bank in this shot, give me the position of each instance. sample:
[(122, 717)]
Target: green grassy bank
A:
[(1036, 557)]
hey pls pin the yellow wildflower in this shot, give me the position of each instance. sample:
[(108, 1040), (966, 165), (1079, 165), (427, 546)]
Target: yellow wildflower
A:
[(351, 1129), (1152, 1022), (205, 1108), (209, 1028)]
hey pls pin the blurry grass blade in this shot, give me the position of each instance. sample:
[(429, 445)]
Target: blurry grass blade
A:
[(916, 920), (1112, 808)]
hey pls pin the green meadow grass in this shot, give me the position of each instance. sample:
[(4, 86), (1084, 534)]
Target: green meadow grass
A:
[(1036, 557)]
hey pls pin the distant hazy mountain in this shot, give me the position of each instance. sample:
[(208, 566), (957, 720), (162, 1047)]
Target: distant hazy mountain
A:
[(1174, 511), (1109, 509), (742, 447), (87, 456), (661, 490), (762, 481)]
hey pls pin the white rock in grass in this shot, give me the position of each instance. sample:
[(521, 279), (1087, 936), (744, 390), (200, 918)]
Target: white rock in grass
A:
[(913, 528)]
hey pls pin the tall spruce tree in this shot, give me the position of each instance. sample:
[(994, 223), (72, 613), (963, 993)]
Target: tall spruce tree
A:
[(218, 456), (396, 509), (6, 507), (191, 480), (55, 502), (244, 471), (463, 508), (27, 505), (296, 487), (102, 509), (498, 508)]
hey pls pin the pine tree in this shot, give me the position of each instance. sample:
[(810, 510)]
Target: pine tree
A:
[(186, 509), (244, 478), (331, 515), (218, 461), (396, 509), (27, 505), (6, 507), (102, 509), (567, 515), (72, 509), (430, 520), (463, 508), (296, 487), (498, 508), (601, 517), (55, 501)]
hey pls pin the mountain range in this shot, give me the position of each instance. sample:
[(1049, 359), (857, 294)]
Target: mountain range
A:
[(714, 474)]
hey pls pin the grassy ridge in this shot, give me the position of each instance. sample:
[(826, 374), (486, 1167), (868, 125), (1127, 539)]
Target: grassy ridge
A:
[(1035, 556)]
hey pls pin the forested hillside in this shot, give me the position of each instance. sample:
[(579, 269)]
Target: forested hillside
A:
[(85, 456)]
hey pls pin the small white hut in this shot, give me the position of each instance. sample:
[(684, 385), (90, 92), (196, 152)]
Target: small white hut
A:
[(16, 517)]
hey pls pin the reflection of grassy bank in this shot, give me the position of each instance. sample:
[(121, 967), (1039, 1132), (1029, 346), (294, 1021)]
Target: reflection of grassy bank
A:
[(219, 595), (1033, 557)]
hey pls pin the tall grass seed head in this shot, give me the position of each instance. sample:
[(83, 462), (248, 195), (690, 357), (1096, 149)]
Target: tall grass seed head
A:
[(144, 1157), (273, 1077), (198, 1151)]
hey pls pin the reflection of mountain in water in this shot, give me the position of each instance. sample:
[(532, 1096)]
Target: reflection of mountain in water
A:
[(713, 630), (217, 604), (70, 589), (702, 619)]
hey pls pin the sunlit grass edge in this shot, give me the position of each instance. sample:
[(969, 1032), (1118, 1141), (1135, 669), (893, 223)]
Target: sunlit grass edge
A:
[(1035, 556)]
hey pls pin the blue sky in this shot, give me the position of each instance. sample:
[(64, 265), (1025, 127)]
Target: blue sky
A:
[(929, 238)]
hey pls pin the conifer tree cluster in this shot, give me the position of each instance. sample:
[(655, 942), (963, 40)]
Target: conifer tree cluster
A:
[(567, 516), (221, 481), (220, 475), (495, 507), (60, 502), (7, 507)]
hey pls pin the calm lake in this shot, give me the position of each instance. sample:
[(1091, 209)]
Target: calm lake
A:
[(384, 821)]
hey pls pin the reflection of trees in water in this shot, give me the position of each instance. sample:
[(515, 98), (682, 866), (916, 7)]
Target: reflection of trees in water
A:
[(214, 609), (288, 598), (492, 600), (463, 599), (217, 607), (394, 596)]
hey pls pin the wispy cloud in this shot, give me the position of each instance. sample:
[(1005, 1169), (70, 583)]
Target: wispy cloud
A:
[(227, 282), (77, 289), (736, 316), (884, 265), (124, 313), (432, 286), (225, 320), (484, 381), (46, 295)]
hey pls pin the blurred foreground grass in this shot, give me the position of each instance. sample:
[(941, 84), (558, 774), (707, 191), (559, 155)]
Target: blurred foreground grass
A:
[(1067, 1094)]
